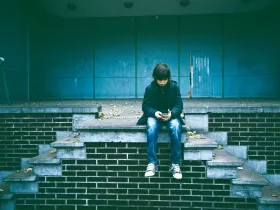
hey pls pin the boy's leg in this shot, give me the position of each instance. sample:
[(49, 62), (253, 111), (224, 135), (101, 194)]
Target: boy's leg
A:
[(152, 136), (175, 129)]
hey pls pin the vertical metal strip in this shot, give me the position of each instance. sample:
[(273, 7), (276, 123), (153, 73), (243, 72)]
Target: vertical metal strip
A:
[(179, 50), (28, 62), (135, 55), (223, 56), (93, 57)]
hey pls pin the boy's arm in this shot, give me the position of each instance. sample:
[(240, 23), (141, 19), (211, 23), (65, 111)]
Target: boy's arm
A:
[(178, 106), (148, 110)]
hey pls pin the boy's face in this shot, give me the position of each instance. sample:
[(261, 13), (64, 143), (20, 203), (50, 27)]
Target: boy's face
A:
[(162, 82)]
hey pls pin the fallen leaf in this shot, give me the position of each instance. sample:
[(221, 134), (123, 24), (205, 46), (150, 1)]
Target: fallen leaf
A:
[(274, 195), (29, 169), (220, 147), (53, 151)]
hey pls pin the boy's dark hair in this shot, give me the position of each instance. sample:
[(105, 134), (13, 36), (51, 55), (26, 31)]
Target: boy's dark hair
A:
[(161, 72)]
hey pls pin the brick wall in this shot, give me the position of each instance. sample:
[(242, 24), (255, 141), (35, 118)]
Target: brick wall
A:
[(259, 131), (112, 177), (20, 135)]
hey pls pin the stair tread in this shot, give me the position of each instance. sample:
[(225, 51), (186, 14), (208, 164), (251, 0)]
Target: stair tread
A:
[(46, 158), (127, 123), (201, 141), (22, 175), (5, 193), (267, 192), (68, 142), (224, 158), (247, 176)]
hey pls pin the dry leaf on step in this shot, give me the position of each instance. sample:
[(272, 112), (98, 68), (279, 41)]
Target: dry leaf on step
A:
[(53, 151), (220, 147)]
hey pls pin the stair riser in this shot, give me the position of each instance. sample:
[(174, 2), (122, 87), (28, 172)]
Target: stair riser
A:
[(100, 136), (19, 187), (7, 205), (71, 153), (246, 191), (221, 172), (198, 155), (48, 170), (268, 207), (197, 122)]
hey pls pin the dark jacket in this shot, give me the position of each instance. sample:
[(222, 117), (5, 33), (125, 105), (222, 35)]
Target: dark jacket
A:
[(151, 100)]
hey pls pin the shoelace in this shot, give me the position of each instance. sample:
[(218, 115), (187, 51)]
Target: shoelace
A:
[(176, 168), (151, 167)]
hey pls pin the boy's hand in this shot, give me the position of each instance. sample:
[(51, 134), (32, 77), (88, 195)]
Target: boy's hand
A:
[(158, 115), (167, 116)]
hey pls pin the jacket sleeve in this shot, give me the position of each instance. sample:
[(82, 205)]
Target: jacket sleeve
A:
[(177, 109), (147, 108)]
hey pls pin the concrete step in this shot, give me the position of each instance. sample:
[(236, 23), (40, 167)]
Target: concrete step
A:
[(7, 200), (69, 148), (270, 199), (46, 164), (23, 181), (126, 132), (248, 183), (224, 165), (199, 147)]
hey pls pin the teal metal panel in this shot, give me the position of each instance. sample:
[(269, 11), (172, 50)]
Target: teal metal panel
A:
[(157, 41), (13, 48), (251, 66), (114, 57), (201, 34), (61, 59)]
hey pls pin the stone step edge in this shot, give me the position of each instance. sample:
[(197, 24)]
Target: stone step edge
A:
[(246, 176), (5, 193), (131, 128), (68, 142), (223, 158), (267, 192), (23, 175), (199, 141), (48, 158)]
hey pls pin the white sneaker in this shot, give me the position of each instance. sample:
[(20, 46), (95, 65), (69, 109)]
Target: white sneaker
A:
[(151, 170), (176, 171)]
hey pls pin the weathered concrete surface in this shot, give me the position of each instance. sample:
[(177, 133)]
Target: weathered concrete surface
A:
[(248, 183)]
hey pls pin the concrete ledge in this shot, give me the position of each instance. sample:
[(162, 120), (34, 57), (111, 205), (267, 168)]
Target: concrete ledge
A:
[(267, 201), (7, 201), (232, 109), (237, 151), (68, 143), (247, 176), (22, 182), (70, 109), (123, 136), (5, 194), (44, 159), (220, 138), (223, 158), (199, 148), (21, 176), (46, 165), (224, 166)]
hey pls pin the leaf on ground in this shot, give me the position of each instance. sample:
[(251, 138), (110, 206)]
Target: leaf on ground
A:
[(220, 147), (274, 195), (53, 151)]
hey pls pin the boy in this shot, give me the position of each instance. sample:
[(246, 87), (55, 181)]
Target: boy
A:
[(162, 105)]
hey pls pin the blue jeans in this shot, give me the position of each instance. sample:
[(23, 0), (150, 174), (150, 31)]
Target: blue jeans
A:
[(174, 130)]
